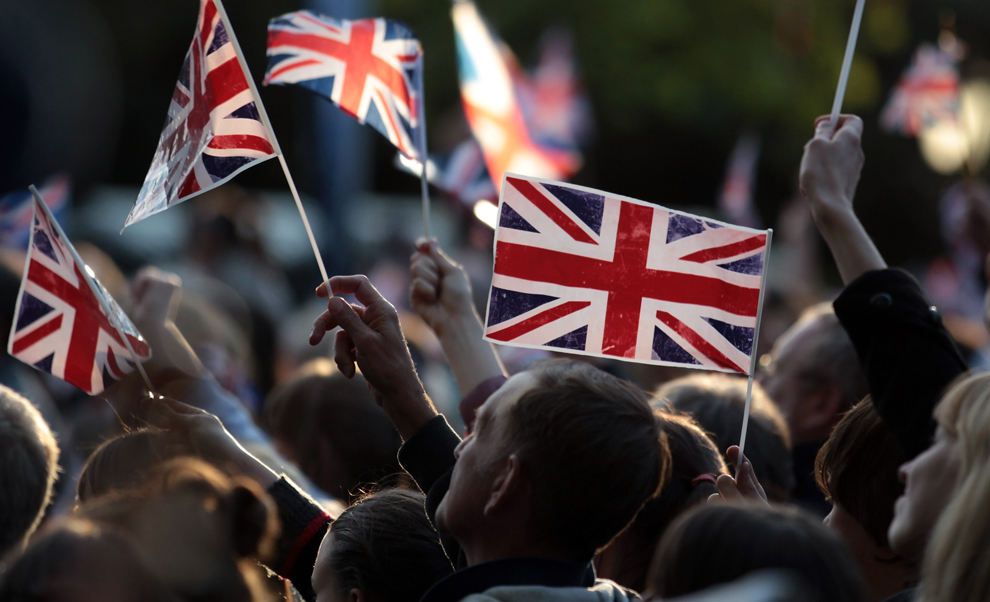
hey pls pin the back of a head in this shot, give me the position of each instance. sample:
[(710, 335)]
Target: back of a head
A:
[(834, 358), (719, 543), (28, 467), (124, 462), (718, 402), (957, 559), (695, 463), (385, 546), (593, 450), (857, 469), (78, 561), (201, 531), (337, 434)]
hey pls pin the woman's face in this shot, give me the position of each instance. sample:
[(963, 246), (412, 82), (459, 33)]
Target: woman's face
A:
[(929, 481)]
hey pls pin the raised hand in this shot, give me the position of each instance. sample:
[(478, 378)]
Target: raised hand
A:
[(440, 291), (156, 296), (745, 488), (831, 166), (370, 338)]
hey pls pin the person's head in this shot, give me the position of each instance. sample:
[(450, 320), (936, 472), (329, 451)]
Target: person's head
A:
[(201, 532), (957, 560), (125, 461), (718, 403), (561, 459), (28, 467), (813, 374), (78, 561), (719, 543), (695, 463), (381, 549), (856, 469), (332, 429), (930, 478)]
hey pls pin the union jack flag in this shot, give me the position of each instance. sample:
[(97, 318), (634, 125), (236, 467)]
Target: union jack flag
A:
[(927, 93), (583, 271), (61, 325), (214, 129), (16, 210), (366, 67), (492, 107)]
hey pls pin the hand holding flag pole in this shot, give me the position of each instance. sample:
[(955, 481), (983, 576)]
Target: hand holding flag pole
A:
[(840, 91), (754, 354)]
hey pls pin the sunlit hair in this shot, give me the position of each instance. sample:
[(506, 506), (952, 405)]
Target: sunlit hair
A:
[(28, 467), (124, 462), (957, 559)]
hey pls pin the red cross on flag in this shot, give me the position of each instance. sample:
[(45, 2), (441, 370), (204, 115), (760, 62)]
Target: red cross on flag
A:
[(584, 271), (62, 322)]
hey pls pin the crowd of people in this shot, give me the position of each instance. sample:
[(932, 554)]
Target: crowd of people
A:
[(866, 475)]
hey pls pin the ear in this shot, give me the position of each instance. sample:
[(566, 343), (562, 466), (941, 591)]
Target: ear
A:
[(507, 482), (823, 409), (355, 595)]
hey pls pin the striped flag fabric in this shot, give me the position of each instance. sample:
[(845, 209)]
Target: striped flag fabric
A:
[(61, 322), (588, 272), (214, 129), (367, 67)]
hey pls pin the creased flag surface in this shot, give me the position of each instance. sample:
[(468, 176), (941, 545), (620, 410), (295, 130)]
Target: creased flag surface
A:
[(926, 94), (213, 130), (588, 272), (60, 325), (492, 106), (366, 67)]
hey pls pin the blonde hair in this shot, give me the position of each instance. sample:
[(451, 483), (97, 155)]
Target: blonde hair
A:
[(957, 560)]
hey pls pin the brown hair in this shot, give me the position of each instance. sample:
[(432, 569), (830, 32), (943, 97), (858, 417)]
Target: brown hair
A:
[(857, 468), (320, 406), (693, 455), (78, 561), (717, 402), (123, 462), (28, 467), (203, 532), (719, 543), (593, 450), (386, 546)]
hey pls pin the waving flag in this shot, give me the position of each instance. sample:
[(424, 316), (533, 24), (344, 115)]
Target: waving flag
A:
[(365, 67), (16, 210), (583, 271), (61, 323), (927, 93), (492, 107), (214, 129), (736, 200)]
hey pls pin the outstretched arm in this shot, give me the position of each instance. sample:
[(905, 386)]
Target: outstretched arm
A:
[(830, 170), (441, 295)]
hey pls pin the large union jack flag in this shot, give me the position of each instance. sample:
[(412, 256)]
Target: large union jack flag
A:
[(368, 68), (584, 271), (61, 327), (927, 93), (214, 129)]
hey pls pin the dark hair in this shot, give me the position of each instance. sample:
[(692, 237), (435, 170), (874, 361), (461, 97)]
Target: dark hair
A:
[(386, 546), (714, 544), (593, 450), (321, 407), (857, 468), (693, 457), (718, 402), (78, 561), (124, 462)]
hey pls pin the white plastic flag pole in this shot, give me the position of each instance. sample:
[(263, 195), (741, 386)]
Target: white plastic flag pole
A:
[(756, 339), (423, 160), (274, 140), (840, 91), (88, 277)]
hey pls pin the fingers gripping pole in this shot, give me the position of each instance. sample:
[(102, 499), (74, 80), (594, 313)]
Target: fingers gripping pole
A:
[(756, 339), (840, 91)]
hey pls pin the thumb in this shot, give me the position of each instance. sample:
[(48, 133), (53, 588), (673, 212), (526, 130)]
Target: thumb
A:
[(445, 263), (348, 319)]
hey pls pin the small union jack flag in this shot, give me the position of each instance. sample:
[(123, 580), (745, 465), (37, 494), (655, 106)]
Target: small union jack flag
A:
[(366, 67), (61, 325), (927, 93), (214, 129), (584, 271)]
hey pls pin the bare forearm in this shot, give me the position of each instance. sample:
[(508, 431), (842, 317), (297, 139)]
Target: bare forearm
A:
[(472, 359), (852, 249)]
